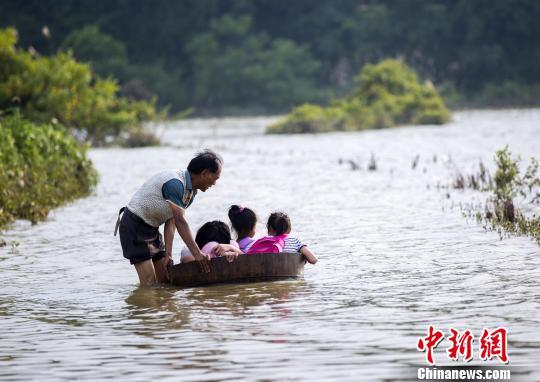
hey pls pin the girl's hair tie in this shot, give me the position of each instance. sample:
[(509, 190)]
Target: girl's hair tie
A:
[(242, 209)]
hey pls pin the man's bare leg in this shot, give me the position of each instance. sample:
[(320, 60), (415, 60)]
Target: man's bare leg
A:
[(146, 272)]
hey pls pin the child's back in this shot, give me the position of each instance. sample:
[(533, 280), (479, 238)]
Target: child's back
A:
[(279, 227), (292, 245), (268, 244)]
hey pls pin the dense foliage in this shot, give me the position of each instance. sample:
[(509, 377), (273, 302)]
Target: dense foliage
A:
[(386, 94), (41, 167), (271, 55), (58, 88)]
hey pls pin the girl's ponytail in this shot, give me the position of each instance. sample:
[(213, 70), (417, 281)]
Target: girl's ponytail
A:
[(243, 220)]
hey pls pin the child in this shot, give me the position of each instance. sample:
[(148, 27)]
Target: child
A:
[(243, 221), (279, 225), (214, 239)]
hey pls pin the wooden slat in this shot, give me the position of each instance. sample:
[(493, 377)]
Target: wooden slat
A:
[(255, 267)]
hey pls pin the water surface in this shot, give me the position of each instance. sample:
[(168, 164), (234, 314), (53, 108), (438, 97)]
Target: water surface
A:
[(395, 254)]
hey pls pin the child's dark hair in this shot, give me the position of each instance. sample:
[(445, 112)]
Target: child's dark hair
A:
[(243, 220), (213, 231), (279, 222)]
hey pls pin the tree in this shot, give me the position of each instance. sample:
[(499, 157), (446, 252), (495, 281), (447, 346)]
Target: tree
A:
[(237, 67), (107, 56)]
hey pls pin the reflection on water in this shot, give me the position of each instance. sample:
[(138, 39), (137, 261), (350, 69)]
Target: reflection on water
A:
[(151, 309), (241, 300), (395, 256)]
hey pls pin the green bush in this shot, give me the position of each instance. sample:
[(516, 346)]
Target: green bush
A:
[(41, 167), (58, 88), (310, 119), (386, 95)]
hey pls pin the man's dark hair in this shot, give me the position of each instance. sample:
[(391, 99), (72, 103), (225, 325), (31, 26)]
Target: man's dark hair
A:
[(213, 231), (205, 160), (279, 222)]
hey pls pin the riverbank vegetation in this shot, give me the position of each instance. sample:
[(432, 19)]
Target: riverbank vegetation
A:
[(61, 90), (46, 101), (254, 57), (385, 95), (41, 167)]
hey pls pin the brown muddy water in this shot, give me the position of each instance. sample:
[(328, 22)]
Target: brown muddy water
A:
[(395, 256)]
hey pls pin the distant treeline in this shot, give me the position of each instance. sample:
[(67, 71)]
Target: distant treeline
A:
[(222, 56)]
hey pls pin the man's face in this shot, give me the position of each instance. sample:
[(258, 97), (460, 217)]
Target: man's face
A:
[(209, 178)]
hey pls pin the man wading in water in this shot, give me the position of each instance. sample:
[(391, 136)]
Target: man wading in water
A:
[(163, 199)]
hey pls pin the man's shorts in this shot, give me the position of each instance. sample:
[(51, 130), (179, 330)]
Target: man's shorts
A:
[(140, 241)]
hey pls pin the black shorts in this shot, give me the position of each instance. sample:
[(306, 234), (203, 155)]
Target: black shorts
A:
[(140, 241)]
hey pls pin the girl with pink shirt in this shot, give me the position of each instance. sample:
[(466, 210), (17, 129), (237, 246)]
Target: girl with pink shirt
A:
[(214, 239)]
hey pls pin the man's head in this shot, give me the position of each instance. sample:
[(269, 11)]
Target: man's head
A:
[(205, 169)]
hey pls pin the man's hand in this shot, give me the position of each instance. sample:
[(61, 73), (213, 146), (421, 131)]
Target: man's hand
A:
[(204, 261), (161, 268), (185, 233)]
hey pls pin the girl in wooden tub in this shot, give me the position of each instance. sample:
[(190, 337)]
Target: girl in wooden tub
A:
[(279, 240), (214, 239), (244, 223)]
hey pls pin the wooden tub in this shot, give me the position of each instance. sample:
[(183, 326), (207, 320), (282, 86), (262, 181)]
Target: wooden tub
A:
[(246, 268)]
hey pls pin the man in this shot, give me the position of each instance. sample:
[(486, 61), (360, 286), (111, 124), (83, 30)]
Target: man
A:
[(163, 199)]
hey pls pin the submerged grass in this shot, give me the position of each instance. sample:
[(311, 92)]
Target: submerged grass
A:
[(511, 209)]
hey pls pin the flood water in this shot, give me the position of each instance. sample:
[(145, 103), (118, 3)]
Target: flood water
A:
[(395, 255)]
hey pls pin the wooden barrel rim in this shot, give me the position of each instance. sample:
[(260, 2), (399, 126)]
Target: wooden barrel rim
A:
[(246, 268)]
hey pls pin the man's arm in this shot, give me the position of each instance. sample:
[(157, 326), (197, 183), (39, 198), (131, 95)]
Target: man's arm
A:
[(168, 233), (185, 233), (161, 266)]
